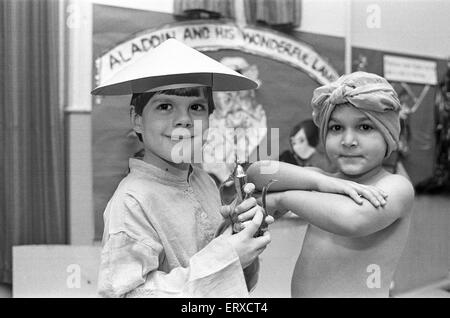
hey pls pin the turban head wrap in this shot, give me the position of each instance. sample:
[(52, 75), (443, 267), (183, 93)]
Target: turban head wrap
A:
[(369, 93)]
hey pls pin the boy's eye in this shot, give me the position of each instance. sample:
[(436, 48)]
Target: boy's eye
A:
[(365, 127), (164, 107), (335, 127), (198, 107)]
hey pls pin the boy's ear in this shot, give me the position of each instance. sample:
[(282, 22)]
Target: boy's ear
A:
[(136, 121)]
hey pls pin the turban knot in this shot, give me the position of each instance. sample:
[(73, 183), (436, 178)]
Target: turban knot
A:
[(339, 94)]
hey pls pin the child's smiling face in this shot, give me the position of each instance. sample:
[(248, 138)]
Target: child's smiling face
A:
[(353, 142), (168, 121)]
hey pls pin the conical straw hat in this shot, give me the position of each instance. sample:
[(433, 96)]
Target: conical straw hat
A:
[(170, 65)]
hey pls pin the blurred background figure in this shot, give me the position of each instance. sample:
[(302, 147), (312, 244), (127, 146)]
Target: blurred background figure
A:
[(245, 118), (305, 149)]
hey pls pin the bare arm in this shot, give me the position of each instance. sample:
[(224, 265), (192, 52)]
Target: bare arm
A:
[(338, 214), (289, 176), (292, 177)]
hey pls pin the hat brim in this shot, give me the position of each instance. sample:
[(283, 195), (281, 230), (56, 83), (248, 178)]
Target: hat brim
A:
[(174, 63), (217, 81)]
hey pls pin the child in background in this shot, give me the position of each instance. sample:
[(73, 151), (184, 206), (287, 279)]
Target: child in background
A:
[(349, 250), (160, 224), (304, 152)]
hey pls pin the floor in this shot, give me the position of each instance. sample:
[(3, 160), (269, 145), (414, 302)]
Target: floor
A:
[(278, 260), (439, 289)]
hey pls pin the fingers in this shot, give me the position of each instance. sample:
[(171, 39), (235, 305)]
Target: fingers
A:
[(262, 241), (245, 205), (247, 215), (240, 225), (225, 210), (370, 197), (251, 213), (378, 193), (251, 226), (352, 193), (374, 195)]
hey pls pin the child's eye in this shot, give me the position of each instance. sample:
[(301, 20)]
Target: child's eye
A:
[(164, 107), (198, 107), (335, 127), (365, 127)]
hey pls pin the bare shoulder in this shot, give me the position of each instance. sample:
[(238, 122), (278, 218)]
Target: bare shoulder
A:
[(400, 191)]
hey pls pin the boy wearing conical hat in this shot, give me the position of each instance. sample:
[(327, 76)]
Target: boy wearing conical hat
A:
[(160, 225), (359, 217)]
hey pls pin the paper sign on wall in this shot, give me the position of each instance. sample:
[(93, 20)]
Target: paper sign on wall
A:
[(409, 70)]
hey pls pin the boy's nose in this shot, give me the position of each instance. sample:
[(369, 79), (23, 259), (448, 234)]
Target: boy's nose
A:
[(349, 139), (183, 120)]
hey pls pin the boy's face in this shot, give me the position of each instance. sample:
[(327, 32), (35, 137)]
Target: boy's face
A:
[(167, 124), (353, 142)]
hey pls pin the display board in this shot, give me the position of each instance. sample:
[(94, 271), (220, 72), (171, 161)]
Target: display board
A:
[(288, 66), (414, 78)]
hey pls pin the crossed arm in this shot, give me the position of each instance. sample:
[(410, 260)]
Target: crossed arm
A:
[(333, 204)]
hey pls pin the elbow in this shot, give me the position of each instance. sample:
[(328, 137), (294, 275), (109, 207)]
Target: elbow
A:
[(356, 227), (363, 229), (348, 231), (355, 231)]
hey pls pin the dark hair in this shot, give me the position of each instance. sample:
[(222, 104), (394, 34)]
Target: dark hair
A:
[(310, 129), (140, 100)]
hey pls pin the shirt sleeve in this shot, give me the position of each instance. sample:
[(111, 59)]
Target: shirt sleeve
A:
[(215, 271), (129, 268)]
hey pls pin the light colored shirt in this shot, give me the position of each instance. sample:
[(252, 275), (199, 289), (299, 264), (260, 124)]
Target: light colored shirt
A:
[(159, 238)]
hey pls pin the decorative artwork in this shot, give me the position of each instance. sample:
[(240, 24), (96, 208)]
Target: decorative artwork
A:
[(238, 124)]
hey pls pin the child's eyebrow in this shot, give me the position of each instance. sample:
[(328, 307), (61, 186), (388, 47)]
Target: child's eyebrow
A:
[(166, 98), (358, 118), (363, 119), (160, 99), (333, 120), (200, 99)]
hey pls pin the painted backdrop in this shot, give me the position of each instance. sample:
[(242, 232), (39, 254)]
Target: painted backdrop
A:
[(284, 95)]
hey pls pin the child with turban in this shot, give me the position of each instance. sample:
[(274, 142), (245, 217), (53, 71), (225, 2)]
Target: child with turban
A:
[(358, 217)]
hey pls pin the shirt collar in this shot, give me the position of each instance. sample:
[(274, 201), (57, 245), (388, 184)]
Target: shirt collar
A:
[(174, 176)]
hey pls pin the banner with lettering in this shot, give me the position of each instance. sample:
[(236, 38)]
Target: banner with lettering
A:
[(212, 36)]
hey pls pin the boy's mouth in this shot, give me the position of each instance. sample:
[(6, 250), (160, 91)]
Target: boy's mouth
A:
[(351, 156)]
